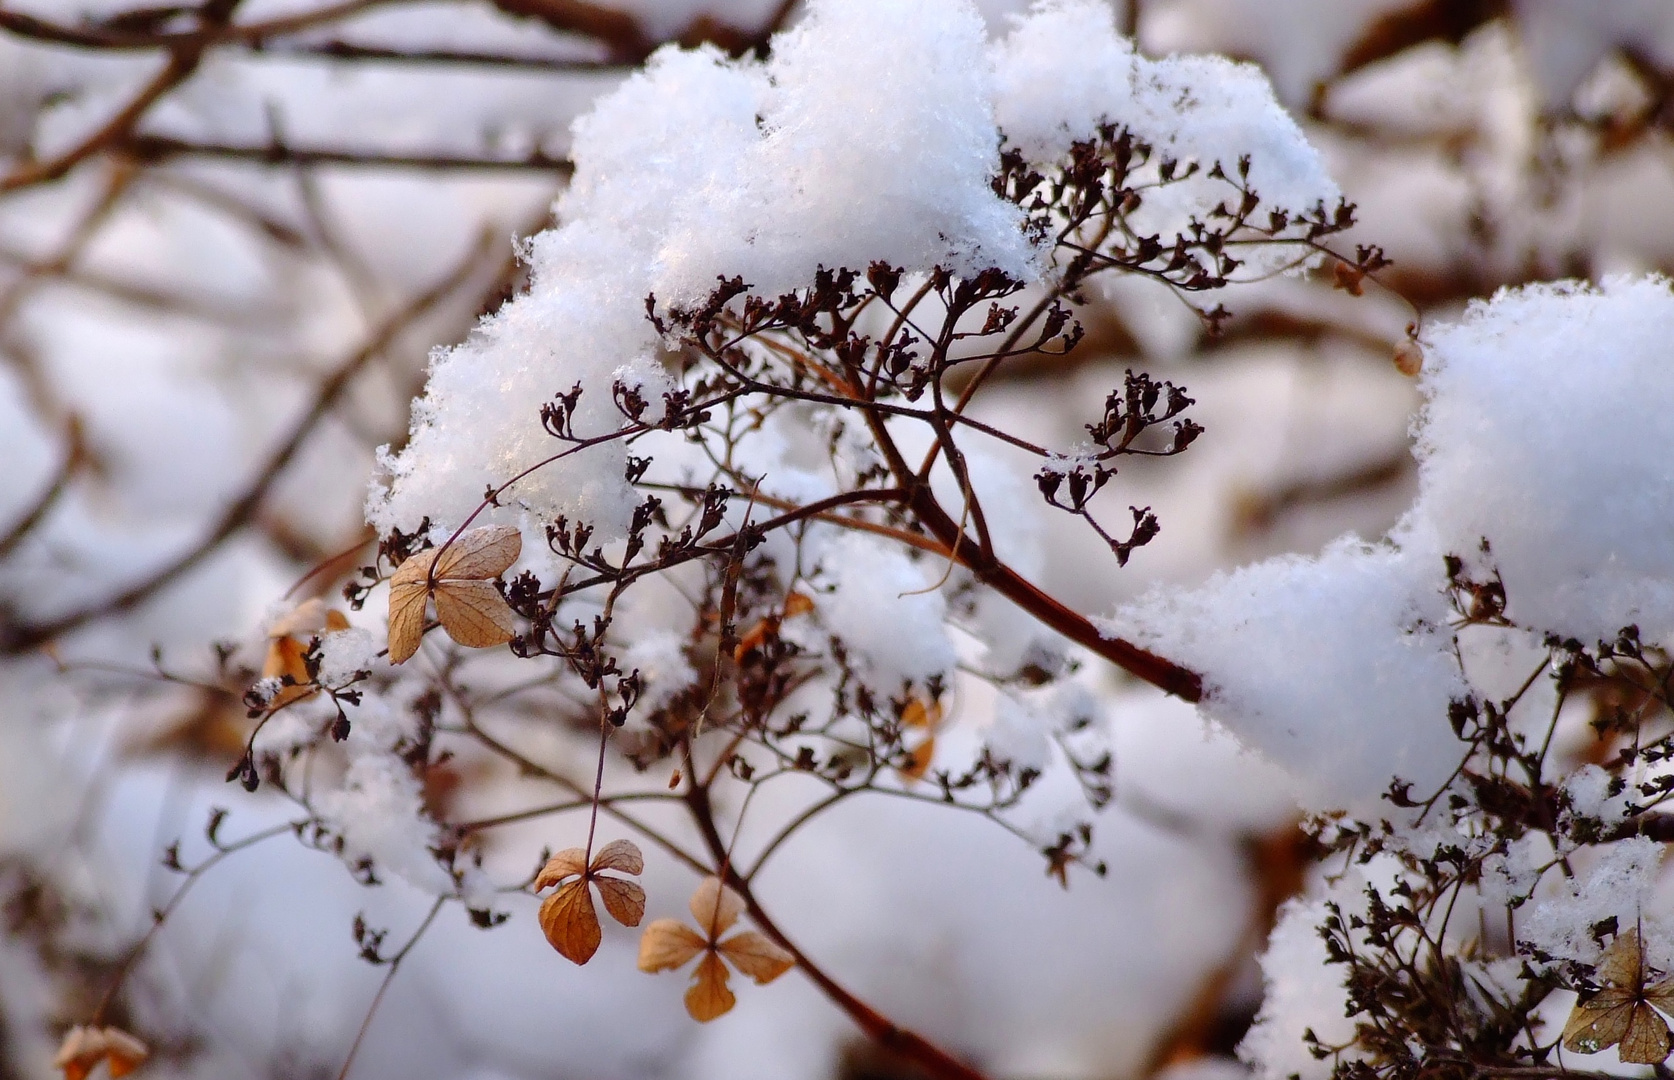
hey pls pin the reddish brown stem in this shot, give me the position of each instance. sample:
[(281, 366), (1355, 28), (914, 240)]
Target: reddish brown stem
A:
[(899, 1041)]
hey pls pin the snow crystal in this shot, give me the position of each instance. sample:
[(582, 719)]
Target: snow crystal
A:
[(1337, 668), (379, 813), (346, 653), (1618, 886), (870, 134), (884, 610), (1064, 70), (1303, 991), (1546, 432)]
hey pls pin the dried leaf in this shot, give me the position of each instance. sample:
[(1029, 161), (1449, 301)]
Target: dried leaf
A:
[(620, 855), (919, 715), (126, 1053), (406, 617), (755, 955), (667, 944), (797, 603), (284, 657), (570, 923), (715, 907), (708, 996), (922, 755), (481, 553), (567, 863), (474, 613), (625, 900)]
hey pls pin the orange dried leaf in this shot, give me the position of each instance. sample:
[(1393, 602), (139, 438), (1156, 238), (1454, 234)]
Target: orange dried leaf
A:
[(668, 944), (708, 997), (756, 956), (406, 616), (570, 923), (284, 657), (474, 613), (715, 907), (752, 639), (336, 620), (624, 899), (620, 855), (797, 603), (922, 755), (126, 1053), (567, 863), (481, 553)]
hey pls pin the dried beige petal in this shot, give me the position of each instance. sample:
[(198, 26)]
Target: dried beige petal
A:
[(81, 1051), (1599, 1023), (481, 553), (755, 955), (1646, 1040), (406, 617), (1623, 963), (415, 569), (474, 613), (570, 923), (624, 899), (126, 1052), (620, 855), (1409, 357), (567, 863), (667, 944), (715, 907), (708, 996)]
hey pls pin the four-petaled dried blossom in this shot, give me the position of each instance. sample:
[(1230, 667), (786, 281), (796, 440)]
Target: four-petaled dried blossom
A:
[(84, 1047), (288, 639), (568, 917), (458, 575), (669, 943), (1625, 1010)]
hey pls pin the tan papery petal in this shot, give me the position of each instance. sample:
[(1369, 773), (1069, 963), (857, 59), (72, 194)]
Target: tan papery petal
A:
[(757, 956), (715, 907), (1600, 1022), (667, 944), (620, 855), (624, 899), (1646, 1041), (708, 996), (406, 618), (415, 569), (567, 863), (474, 613), (481, 553), (126, 1052), (570, 923)]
